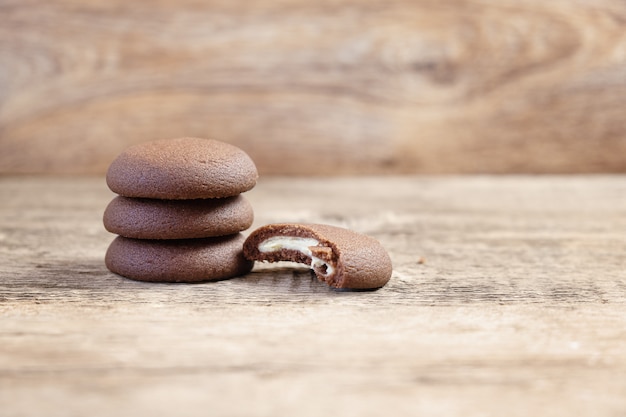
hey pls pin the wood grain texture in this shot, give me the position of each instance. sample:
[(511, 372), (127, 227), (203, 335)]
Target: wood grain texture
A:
[(508, 297), (334, 86)]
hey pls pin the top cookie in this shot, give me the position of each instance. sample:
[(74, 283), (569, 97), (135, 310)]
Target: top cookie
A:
[(182, 169)]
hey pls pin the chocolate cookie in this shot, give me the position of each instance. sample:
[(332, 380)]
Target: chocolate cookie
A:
[(143, 218), (340, 257), (190, 260), (182, 169)]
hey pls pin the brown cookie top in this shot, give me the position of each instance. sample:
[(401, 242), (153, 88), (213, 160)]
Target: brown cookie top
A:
[(340, 257), (143, 218), (180, 169), (190, 260)]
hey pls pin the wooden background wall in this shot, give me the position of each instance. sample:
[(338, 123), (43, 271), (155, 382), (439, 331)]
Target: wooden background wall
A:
[(307, 87)]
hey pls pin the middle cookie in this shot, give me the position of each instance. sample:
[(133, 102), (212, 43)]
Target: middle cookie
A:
[(142, 218)]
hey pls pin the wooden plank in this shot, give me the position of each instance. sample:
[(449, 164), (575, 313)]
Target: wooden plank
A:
[(335, 86), (508, 298)]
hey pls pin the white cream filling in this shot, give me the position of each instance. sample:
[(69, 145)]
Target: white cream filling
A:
[(300, 244)]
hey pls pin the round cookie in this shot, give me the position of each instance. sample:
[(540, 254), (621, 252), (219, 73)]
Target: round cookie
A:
[(142, 218), (340, 257), (182, 169), (191, 260)]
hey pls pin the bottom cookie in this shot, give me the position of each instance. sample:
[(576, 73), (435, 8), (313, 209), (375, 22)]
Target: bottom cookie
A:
[(189, 260)]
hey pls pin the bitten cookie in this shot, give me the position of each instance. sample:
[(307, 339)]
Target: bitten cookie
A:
[(182, 169), (191, 260), (340, 257), (142, 218)]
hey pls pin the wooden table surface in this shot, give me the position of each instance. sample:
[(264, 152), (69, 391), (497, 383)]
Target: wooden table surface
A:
[(508, 297)]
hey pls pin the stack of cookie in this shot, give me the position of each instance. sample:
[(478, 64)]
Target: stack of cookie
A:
[(179, 212)]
